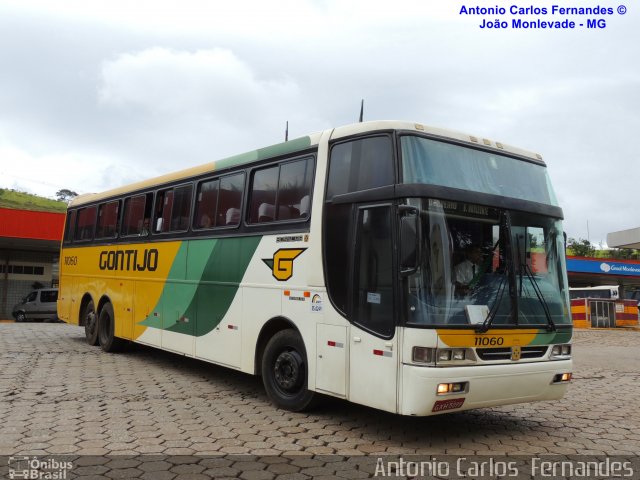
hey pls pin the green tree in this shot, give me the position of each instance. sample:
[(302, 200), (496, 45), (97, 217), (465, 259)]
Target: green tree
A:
[(581, 247), (65, 195)]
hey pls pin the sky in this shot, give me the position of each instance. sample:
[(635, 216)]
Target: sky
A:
[(98, 94)]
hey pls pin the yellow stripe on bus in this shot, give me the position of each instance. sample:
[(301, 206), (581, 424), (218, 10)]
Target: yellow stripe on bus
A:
[(134, 275), (493, 338)]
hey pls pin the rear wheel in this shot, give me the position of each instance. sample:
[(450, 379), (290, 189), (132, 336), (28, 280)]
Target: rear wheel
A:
[(90, 320), (285, 371), (106, 328)]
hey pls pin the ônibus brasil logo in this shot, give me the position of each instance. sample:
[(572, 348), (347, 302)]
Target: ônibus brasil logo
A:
[(281, 264)]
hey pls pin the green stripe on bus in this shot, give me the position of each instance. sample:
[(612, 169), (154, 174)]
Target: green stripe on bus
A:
[(549, 338), (266, 152), (213, 270)]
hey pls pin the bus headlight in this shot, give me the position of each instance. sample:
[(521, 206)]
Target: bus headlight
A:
[(444, 356), (561, 351), (422, 355), (459, 354)]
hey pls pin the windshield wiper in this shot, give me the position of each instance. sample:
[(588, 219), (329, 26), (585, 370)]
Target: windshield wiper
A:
[(484, 327), (496, 304), (536, 288)]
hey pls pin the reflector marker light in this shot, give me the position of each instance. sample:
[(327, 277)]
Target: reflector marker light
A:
[(382, 353), (331, 343), (232, 327)]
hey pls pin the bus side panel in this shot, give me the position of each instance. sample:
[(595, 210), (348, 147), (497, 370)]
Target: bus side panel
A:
[(147, 305), (122, 307), (65, 294), (217, 266), (223, 344), (274, 286)]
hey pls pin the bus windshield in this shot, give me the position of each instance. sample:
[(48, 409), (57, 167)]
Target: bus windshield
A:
[(449, 165), (481, 264)]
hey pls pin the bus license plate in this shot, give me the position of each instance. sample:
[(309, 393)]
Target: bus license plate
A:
[(441, 405)]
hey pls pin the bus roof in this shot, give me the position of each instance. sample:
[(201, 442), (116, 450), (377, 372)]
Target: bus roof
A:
[(300, 144)]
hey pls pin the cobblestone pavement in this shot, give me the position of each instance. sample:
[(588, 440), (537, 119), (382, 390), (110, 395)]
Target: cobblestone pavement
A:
[(60, 396)]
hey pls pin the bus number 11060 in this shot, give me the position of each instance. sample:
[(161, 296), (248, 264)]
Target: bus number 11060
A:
[(489, 341)]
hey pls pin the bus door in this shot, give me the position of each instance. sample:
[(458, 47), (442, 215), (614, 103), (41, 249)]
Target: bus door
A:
[(373, 349)]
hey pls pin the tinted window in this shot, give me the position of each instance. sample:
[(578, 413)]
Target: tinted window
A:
[(107, 220), (282, 192), (263, 195), (294, 187), (373, 271), (360, 165), (230, 199), (137, 215), (164, 203), (207, 205), (48, 296), (68, 229), (439, 163), (172, 210), (85, 223), (336, 244), (181, 208)]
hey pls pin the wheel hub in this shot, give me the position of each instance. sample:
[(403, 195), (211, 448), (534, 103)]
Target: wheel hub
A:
[(287, 370), (91, 321)]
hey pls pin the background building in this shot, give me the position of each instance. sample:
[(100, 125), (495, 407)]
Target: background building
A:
[(29, 249)]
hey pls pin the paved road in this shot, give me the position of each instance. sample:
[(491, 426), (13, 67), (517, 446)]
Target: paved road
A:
[(60, 396)]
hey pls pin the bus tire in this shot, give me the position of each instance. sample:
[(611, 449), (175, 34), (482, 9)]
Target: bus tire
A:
[(285, 371), (90, 320), (106, 328)]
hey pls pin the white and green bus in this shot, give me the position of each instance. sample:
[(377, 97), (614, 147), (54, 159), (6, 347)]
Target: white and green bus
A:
[(411, 269)]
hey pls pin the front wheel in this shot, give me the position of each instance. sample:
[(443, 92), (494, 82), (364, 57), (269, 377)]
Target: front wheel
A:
[(21, 317), (106, 328), (285, 371), (90, 320)]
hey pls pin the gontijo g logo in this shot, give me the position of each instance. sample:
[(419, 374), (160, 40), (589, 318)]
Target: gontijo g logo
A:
[(281, 264)]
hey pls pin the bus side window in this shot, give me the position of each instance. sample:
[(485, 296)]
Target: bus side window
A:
[(107, 220), (229, 200), (206, 204), (164, 203), (137, 214), (86, 222), (360, 165), (278, 191), (71, 223), (181, 208)]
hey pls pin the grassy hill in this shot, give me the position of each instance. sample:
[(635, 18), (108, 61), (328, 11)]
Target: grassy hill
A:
[(27, 201)]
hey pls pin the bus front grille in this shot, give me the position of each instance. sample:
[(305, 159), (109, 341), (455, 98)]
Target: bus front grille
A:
[(493, 354)]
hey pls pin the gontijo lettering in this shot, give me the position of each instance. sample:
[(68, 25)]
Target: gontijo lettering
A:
[(132, 260)]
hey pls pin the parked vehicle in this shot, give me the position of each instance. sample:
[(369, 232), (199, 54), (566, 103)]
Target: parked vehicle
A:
[(38, 305)]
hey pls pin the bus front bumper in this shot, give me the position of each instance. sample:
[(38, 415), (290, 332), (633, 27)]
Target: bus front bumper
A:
[(487, 386)]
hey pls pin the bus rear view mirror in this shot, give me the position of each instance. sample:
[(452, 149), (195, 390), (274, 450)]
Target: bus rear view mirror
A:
[(409, 240)]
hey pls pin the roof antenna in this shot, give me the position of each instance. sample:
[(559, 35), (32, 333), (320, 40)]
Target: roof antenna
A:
[(361, 109), (286, 132)]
